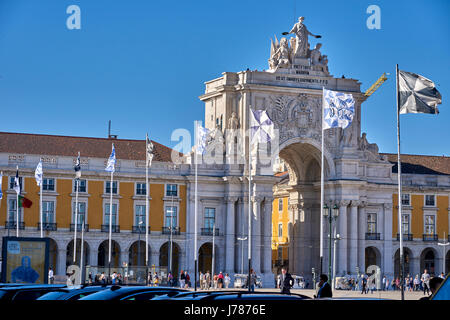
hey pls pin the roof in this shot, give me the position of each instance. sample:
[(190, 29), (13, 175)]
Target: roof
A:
[(420, 164), (41, 144)]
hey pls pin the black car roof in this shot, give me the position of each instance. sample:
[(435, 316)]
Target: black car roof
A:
[(35, 286)]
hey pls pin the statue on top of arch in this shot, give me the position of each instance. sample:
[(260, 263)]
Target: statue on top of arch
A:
[(283, 52)]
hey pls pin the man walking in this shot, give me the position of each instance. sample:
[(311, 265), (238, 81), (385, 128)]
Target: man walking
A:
[(286, 281), (51, 277), (324, 287), (426, 281)]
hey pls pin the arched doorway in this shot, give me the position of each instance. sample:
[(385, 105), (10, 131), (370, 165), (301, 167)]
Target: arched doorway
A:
[(407, 258), (53, 256), (136, 254), (372, 257), (205, 259), (427, 260), (103, 254), (69, 253), (302, 157), (164, 257)]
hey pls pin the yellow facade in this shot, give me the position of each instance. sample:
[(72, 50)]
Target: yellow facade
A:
[(95, 211), (417, 204), (277, 218)]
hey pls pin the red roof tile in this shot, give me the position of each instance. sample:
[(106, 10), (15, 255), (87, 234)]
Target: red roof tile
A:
[(40, 144), (420, 164)]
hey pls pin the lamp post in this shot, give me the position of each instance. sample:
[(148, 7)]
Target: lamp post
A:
[(139, 242), (444, 245), (242, 253), (336, 237), (330, 214)]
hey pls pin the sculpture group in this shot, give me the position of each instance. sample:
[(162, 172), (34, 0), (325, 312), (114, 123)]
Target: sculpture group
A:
[(284, 52)]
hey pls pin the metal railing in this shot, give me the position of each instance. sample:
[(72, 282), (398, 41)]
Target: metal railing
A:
[(114, 228), (47, 226), (406, 237), (140, 229), (209, 231), (372, 236), (175, 230), (13, 225), (430, 237), (79, 227)]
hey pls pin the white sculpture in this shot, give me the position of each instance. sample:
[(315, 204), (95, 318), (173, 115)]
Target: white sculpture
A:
[(280, 55), (233, 122), (301, 33)]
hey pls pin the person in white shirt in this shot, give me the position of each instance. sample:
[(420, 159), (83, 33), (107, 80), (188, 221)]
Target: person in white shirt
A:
[(425, 281), (51, 277), (227, 280)]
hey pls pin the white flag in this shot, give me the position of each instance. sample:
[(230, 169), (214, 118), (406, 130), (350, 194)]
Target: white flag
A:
[(111, 165), (149, 150), (77, 167), (262, 128), (338, 109), (1, 192), (202, 134), (38, 173), (17, 182)]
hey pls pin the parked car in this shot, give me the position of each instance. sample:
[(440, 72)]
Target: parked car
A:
[(233, 295), (27, 292), (72, 293), (117, 292)]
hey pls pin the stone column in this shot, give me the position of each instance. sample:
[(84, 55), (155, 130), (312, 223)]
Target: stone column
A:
[(292, 208), (230, 235), (256, 234), (93, 255), (387, 260), (267, 236), (190, 260), (342, 245), (361, 236), (241, 231), (61, 262), (353, 236)]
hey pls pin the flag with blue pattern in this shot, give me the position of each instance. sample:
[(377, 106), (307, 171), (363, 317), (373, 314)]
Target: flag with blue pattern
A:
[(338, 109), (111, 165)]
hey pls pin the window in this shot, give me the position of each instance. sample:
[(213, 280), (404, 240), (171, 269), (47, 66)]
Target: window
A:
[(280, 253), (48, 211), (108, 187), (11, 182), (12, 211), (430, 200), (280, 230), (81, 213), (170, 212), (81, 186), (48, 184), (114, 214), (406, 199), (141, 189), (405, 223), (139, 216), (210, 217), (430, 224), (372, 223), (280, 205), (171, 190)]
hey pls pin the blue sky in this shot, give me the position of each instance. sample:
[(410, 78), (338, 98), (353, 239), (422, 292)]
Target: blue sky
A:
[(143, 64)]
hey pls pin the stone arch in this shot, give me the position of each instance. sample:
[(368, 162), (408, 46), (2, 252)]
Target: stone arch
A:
[(372, 256), (103, 254), (428, 260), (205, 258), (164, 257), (407, 258), (69, 253), (136, 253)]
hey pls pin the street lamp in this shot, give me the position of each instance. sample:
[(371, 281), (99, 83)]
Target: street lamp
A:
[(336, 237), (444, 245), (242, 256), (331, 214), (139, 243)]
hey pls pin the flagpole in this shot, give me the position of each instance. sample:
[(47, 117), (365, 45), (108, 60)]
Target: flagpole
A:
[(249, 204), (40, 204), (322, 173), (17, 205), (110, 224), (82, 249), (399, 176), (146, 204), (195, 209), (76, 220)]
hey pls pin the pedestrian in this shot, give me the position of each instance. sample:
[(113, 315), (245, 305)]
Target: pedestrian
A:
[(285, 282), (51, 277), (252, 281), (170, 279), (324, 288), (149, 278), (220, 280), (227, 280), (187, 280), (155, 280), (114, 278), (90, 280), (425, 281), (397, 283), (442, 276), (416, 283), (207, 280), (102, 278), (363, 284), (182, 279), (215, 280), (384, 283)]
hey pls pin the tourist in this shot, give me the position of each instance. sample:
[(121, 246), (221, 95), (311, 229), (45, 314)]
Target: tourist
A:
[(285, 281), (182, 279), (227, 280), (425, 281), (433, 285), (324, 288), (51, 277), (220, 280)]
